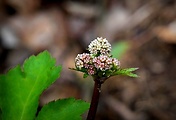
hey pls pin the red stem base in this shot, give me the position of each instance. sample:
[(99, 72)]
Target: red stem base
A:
[(95, 100)]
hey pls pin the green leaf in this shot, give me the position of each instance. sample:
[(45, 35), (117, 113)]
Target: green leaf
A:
[(119, 49), (85, 75), (131, 69), (22, 86), (126, 72), (65, 109)]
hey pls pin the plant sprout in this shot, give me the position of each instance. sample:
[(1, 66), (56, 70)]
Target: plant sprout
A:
[(100, 64)]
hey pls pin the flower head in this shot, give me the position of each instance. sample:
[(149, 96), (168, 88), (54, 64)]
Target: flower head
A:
[(99, 62), (83, 60), (102, 62), (100, 46)]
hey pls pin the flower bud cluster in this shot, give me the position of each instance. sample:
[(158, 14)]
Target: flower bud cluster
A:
[(100, 45), (104, 62), (99, 61), (84, 62)]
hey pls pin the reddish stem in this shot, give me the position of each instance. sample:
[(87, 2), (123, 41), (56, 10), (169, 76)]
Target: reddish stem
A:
[(95, 100)]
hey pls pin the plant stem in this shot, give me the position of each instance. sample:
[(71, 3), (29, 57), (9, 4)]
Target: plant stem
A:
[(95, 100)]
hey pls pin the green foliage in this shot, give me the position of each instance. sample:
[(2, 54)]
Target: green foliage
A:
[(118, 49), (85, 75), (71, 110), (21, 87), (126, 72)]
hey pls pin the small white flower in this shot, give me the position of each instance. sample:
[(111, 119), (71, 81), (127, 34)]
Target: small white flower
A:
[(100, 45), (116, 62), (79, 64)]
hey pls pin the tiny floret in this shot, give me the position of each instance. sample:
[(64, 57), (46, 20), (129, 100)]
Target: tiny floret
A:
[(116, 62)]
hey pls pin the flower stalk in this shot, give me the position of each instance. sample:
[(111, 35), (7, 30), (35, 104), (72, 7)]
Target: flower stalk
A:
[(94, 101)]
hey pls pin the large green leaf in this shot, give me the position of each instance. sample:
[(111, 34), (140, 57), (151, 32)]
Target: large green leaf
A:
[(65, 109), (21, 86)]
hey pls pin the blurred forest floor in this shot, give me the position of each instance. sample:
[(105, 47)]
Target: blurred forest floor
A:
[(65, 28)]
